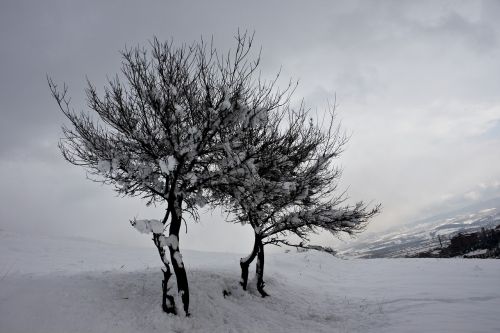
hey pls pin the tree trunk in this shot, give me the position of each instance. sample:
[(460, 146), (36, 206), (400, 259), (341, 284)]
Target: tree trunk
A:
[(245, 263), (167, 302), (175, 255), (259, 271)]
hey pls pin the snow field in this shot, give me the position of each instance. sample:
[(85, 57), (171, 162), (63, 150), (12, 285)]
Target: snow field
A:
[(67, 285)]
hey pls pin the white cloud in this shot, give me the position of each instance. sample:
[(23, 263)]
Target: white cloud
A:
[(472, 195), (416, 82)]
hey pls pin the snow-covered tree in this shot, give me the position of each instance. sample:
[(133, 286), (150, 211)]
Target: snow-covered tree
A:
[(160, 131), (288, 186)]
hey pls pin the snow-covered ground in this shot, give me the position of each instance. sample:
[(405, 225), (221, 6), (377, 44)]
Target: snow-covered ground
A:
[(72, 285)]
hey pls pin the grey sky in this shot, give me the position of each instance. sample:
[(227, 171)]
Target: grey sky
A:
[(417, 85)]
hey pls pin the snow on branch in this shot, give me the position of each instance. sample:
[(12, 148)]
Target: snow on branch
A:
[(148, 226), (304, 246)]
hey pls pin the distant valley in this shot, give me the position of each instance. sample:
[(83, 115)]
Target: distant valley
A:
[(426, 234)]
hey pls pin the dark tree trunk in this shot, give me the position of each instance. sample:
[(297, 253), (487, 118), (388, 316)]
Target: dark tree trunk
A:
[(259, 271), (245, 263), (175, 256), (167, 302)]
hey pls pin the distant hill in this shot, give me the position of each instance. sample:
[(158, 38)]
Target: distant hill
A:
[(428, 233)]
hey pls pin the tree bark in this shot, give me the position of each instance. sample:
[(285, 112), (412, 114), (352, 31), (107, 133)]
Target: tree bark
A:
[(167, 302), (245, 263), (175, 256), (259, 271)]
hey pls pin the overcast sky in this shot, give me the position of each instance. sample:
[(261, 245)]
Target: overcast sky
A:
[(417, 86)]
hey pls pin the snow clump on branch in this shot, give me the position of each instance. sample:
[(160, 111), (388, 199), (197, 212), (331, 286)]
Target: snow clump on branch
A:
[(148, 226)]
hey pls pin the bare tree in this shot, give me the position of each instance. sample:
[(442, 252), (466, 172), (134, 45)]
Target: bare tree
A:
[(160, 131), (289, 185)]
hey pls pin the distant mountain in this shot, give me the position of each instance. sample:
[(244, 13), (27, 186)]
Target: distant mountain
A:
[(428, 233)]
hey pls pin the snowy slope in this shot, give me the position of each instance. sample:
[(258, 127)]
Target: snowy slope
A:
[(69, 285), (423, 235)]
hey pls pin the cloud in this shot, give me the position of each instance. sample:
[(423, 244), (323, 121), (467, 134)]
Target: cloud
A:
[(416, 85), (472, 195)]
